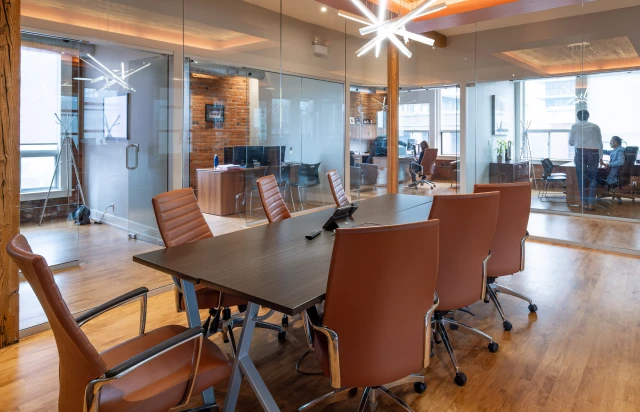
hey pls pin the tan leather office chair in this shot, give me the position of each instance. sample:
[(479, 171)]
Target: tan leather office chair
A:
[(339, 196), (155, 371), (507, 248), (424, 170), (467, 225), (180, 221), (272, 201), (354, 342)]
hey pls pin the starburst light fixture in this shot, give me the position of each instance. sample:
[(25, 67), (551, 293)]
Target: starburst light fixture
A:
[(390, 29)]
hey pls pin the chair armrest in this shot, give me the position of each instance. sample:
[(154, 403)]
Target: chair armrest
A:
[(151, 353), (92, 392), (114, 303)]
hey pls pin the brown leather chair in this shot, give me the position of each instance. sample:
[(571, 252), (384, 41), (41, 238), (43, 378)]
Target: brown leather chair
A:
[(467, 224), (425, 169), (507, 248), (155, 371), (339, 196), (272, 201), (353, 341), (180, 221)]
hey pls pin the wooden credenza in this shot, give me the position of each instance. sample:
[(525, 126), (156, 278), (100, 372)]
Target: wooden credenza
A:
[(509, 172), (221, 193)]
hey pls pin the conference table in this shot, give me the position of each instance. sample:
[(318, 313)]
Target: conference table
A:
[(273, 266)]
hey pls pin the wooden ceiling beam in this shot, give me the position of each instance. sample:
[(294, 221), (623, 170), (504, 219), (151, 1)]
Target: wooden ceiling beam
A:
[(439, 38)]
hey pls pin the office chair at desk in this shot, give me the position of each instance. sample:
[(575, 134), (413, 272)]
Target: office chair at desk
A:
[(357, 350), (624, 187), (467, 225), (508, 246), (155, 371), (424, 170), (180, 221)]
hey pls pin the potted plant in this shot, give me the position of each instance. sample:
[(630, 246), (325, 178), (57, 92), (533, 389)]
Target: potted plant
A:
[(502, 146)]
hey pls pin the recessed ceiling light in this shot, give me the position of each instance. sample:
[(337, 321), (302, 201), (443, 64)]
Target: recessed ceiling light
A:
[(323, 9)]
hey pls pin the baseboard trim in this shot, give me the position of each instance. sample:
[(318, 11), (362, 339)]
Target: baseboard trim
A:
[(24, 333)]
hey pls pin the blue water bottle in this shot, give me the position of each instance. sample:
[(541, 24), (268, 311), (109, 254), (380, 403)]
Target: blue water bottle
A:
[(215, 161)]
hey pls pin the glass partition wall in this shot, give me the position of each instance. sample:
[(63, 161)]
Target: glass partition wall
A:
[(561, 95), (99, 101)]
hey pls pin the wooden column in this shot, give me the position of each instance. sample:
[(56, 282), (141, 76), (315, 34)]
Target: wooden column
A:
[(393, 90), (9, 165)]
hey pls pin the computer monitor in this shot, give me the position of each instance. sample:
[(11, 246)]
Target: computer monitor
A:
[(228, 155), (254, 154), (273, 155), (240, 155)]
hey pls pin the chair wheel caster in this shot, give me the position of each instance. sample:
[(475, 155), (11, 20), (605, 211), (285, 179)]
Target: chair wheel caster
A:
[(453, 326), (486, 299), (282, 336), (533, 308), (226, 313), (419, 387), (226, 340), (507, 325), (285, 321), (242, 308), (460, 379), (493, 347)]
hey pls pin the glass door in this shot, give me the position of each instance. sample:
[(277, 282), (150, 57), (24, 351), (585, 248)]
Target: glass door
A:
[(146, 157)]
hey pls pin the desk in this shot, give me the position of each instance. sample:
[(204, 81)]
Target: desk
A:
[(224, 193), (271, 265)]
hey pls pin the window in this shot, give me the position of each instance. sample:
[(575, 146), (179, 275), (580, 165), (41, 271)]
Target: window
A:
[(414, 122), (449, 121), (40, 99), (550, 110)]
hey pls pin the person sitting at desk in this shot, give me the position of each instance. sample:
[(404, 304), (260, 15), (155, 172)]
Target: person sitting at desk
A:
[(423, 147), (616, 160)]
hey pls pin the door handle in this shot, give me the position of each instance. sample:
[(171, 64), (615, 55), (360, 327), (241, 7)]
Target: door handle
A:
[(136, 148)]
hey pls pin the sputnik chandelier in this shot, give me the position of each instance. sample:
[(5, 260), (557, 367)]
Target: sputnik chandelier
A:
[(390, 29)]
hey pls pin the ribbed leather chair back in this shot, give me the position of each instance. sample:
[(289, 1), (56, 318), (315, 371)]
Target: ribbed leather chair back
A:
[(365, 296), (272, 201), (513, 219), (467, 225), (179, 217), (80, 363), (429, 161), (339, 196)]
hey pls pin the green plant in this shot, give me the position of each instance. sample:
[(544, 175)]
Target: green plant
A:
[(502, 147)]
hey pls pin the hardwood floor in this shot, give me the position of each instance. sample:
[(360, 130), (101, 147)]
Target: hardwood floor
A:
[(557, 203), (579, 352), (597, 233)]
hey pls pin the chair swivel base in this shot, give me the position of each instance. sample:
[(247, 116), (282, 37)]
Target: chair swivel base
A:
[(369, 399), (492, 294), (422, 182), (439, 330), (230, 322)]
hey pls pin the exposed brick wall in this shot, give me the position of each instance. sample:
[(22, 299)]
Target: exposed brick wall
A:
[(57, 210), (207, 139), (370, 107)]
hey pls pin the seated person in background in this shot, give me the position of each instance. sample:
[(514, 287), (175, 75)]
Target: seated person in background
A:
[(423, 146), (616, 160), (414, 167)]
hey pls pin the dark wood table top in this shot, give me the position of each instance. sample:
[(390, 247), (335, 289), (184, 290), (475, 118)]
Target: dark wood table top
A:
[(274, 265)]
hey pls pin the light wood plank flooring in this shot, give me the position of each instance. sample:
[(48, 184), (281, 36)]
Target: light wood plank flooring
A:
[(580, 352)]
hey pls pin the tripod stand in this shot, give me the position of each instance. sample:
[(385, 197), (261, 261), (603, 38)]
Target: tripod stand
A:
[(525, 152), (64, 155)]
